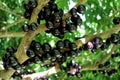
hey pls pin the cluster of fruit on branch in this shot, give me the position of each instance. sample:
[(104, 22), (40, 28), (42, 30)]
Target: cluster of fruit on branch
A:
[(64, 49), (97, 42), (52, 15)]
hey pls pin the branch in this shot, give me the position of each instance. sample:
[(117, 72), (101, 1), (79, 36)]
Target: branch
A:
[(54, 70), (5, 74), (21, 34), (103, 35), (11, 34), (10, 25), (33, 76), (24, 45), (95, 66), (108, 55)]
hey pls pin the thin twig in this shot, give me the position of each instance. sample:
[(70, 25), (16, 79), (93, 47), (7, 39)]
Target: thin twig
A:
[(95, 66), (103, 25), (103, 35), (10, 11), (10, 25)]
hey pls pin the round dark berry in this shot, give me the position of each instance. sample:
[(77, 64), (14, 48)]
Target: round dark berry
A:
[(6, 65), (10, 50), (66, 54), (46, 47), (73, 11), (85, 47), (111, 72), (108, 41), (72, 53), (5, 57), (63, 23), (97, 42), (56, 53), (60, 44), (114, 38), (30, 53), (13, 61), (66, 43), (94, 72), (43, 58), (33, 4), (76, 19), (59, 11), (47, 13), (72, 46), (48, 56), (115, 55), (104, 72), (104, 46), (63, 30), (16, 67), (116, 20), (61, 60), (49, 25), (41, 14), (25, 27), (53, 6), (27, 7), (107, 64), (81, 8), (100, 66), (36, 58), (27, 15), (71, 27), (35, 45), (56, 17), (55, 32), (33, 26)]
